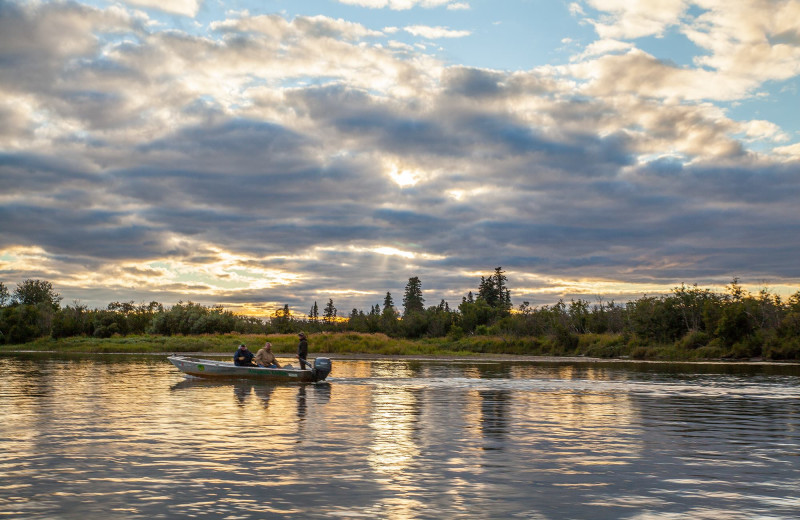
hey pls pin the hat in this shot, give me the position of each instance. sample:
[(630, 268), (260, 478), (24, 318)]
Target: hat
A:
[(242, 345), (302, 334)]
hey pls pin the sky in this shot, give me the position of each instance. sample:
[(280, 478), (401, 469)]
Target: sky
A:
[(256, 154)]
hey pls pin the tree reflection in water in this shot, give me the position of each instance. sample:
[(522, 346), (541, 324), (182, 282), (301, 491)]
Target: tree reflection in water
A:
[(494, 417)]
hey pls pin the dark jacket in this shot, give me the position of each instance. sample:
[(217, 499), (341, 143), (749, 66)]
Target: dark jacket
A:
[(242, 357), (302, 348)]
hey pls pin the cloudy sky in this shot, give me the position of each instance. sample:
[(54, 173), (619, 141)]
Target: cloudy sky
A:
[(260, 153)]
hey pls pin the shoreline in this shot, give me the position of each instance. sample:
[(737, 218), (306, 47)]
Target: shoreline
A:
[(590, 348), (486, 357)]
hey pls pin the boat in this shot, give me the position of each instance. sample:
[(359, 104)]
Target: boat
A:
[(209, 368)]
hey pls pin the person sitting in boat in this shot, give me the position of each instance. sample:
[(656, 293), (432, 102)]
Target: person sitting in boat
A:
[(265, 357), (243, 357)]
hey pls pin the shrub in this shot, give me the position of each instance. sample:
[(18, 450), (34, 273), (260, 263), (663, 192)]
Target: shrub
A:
[(481, 330), (693, 340), (785, 349)]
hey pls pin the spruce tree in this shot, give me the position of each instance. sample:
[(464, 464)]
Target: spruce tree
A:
[(329, 314), (412, 299)]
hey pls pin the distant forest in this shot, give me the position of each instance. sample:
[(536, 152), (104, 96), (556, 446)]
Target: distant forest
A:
[(735, 323)]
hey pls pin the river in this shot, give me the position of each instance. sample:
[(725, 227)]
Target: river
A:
[(128, 437)]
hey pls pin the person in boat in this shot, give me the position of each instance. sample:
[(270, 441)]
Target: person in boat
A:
[(243, 357), (265, 357), (302, 350)]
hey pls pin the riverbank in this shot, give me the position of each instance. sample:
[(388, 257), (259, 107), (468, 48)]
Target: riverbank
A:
[(589, 346)]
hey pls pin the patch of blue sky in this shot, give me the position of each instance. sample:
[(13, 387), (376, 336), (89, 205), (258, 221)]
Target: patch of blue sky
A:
[(290, 82), (515, 35), (502, 35), (673, 47), (778, 106)]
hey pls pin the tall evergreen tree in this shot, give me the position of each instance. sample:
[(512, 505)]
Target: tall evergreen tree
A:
[(502, 292), (313, 314), (388, 304), (412, 299), (388, 319), (493, 290), (329, 314), (487, 292)]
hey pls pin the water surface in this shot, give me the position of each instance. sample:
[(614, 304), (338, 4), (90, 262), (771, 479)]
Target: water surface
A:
[(130, 437)]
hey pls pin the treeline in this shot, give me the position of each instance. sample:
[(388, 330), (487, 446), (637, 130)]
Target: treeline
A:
[(734, 323), (34, 311)]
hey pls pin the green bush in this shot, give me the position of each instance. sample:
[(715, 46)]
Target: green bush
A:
[(693, 340), (782, 349), (749, 347), (455, 333)]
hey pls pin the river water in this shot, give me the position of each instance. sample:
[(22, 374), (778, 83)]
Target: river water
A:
[(125, 437)]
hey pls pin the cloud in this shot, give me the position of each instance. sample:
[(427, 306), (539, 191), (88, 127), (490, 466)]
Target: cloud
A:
[(279, 28), (741, 44), (602, 47), (397, 5), (792, 151), (182, 7), (752, 39), (434, 33), (629, 20), (643, 74)]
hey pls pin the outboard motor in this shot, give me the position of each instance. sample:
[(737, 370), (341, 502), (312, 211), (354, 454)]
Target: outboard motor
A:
[(322, 367)]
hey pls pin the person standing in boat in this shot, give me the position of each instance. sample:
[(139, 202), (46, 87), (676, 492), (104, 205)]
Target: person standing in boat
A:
[(302, 351), (265, 357), (243, 357)]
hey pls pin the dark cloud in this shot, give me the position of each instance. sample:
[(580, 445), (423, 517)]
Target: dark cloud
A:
[(98, 234), (472, 83)]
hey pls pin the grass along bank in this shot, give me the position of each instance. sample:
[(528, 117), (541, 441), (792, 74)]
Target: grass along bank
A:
[(607, 346)]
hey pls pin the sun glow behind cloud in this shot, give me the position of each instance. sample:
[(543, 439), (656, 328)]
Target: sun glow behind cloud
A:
[(402, 175), (393, 251)]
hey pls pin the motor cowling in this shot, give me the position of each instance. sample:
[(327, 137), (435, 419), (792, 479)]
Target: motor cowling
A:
[(322, 367)]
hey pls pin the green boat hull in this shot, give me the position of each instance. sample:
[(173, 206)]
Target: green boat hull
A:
[(209, 368)]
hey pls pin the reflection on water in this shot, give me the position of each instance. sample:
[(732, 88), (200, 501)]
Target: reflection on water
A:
[(494, 416), (130, 437)]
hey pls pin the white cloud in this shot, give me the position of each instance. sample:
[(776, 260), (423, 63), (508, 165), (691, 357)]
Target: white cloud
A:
[(601, 47), (764, 130), (791, 151), (182, 7), (626, 19), (758, 39), (434, 33), (747, 42), (397, 5), (576, 9)]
